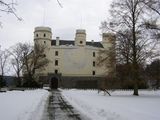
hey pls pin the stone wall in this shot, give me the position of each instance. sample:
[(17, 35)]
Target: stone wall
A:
[(73, 82)]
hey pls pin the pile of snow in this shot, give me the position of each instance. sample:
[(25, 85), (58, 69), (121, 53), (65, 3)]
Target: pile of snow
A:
[(22, 105), (122, 105)]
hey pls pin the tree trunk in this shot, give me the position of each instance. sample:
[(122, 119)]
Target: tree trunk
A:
[(18, 79), (135, 78), (134, 62), (135, 88), (2, 79)]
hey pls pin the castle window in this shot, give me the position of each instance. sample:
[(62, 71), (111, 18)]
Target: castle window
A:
[(93, 72), (56, 62), (44, 35), (36, 35), (94, 54), (94, 63), (56, 53), (81, 42), (56, 71), (44, 42)]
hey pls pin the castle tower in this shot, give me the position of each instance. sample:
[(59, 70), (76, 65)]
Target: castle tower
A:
[(108, 40), (80, 38), (43, 36)]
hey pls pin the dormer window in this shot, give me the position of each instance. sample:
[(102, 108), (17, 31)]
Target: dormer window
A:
[(44, 35)]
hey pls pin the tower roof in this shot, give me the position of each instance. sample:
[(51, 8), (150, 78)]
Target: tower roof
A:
[(80, 31), (42, 28)]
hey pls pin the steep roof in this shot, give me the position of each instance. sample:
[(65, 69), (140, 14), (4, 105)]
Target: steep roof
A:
[(71, 42)]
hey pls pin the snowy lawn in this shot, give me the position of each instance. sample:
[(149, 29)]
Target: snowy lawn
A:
[(22, 105), (122, 105)]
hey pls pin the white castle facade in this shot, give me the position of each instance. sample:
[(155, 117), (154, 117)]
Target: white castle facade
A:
[(73, 63)]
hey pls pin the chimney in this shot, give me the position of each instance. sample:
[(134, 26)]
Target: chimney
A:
[(57, 41)]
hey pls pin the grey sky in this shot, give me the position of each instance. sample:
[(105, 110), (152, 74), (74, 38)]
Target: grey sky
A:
[(86, 14)]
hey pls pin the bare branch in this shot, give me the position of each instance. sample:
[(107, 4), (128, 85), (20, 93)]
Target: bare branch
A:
[(9, 7), (59, 3)]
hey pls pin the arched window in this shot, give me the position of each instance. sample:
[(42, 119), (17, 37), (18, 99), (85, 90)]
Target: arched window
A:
[(36, 35), (44, 35)]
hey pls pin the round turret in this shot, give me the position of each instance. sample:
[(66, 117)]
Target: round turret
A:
[(80, 31), (80, 38), (43, 35), (108, 40)]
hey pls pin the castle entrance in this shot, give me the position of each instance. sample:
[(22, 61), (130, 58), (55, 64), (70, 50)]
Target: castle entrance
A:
[(54, 83)]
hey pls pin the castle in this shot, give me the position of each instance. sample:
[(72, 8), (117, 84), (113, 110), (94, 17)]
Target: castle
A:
[(73, 63)]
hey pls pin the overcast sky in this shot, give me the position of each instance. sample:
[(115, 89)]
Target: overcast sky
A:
[(75, 14)]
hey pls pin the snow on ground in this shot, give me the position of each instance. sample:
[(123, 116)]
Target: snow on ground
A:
[(22, 105), (122, 105)]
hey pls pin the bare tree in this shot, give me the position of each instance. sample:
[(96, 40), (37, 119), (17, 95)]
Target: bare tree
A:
[(106, 57), (34, 60), (123, 48), (132, 16), (4, 55), (17, 54)]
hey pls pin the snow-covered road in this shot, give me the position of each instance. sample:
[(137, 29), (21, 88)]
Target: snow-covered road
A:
[(122, 105)]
